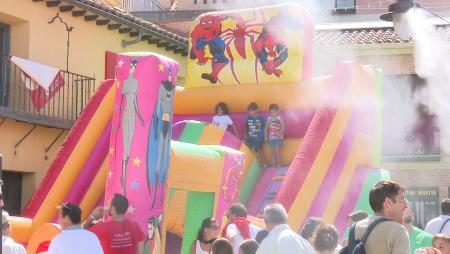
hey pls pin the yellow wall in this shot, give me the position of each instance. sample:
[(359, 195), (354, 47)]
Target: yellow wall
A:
[(30, 154), (33, 38)]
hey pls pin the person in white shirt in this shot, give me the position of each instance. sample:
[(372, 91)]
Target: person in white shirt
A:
[(281, 239), (74, 239), (441, 224), (8, 244), (223, 120), (238, 227)]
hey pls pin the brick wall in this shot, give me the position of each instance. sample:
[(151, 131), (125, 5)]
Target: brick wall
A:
[(415, 177), (380, 6)]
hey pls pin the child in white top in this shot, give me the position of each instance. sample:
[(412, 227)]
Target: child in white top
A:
[(222, 119)]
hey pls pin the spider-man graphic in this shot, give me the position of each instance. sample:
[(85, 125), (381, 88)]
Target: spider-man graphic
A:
[(271, 48), (207, 33)]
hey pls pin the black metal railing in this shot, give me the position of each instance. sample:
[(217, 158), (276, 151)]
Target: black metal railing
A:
[(60, 110), (412, 150)]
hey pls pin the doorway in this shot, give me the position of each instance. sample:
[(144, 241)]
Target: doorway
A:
[(12, 191)]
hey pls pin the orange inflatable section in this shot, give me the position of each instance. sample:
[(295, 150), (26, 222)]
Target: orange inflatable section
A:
[(307, 95)]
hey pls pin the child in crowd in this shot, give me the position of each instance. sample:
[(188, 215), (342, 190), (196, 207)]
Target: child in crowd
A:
[(274, 133), (254, 138), (222, 119), (249, 246)]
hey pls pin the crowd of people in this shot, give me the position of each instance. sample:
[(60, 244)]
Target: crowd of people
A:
[(390, 230)]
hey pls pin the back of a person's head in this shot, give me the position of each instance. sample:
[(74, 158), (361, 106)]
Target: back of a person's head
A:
[(222, 246), (445, 206), (72, 211), (261, 235), (120, 203), (357, 216), (310, 226), (326, 238), (382, 190), (238, 209), (252, 106), (275, 214), (274, 107), (249, 246)]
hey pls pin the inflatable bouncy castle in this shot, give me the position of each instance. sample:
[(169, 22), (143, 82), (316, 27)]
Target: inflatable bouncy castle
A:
[(145, 137)]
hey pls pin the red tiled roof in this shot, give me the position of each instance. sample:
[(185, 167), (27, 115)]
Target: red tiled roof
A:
[(177, 31), (101, 8), (364, 36)]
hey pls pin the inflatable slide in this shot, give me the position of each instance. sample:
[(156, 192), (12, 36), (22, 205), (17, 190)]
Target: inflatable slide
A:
[(142, 136)]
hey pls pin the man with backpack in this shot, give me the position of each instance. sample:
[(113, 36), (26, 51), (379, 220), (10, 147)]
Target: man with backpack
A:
[(383, 232), (441, 224)]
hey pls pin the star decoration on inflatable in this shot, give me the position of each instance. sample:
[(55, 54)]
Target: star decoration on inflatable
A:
[(120, 63), (137, 162), (111, 150), (134, 185), (161, 67), (131, 209), (110, 174)]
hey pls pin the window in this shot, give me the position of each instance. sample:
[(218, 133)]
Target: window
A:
[(205, 1), (4, 74), (342, 4)]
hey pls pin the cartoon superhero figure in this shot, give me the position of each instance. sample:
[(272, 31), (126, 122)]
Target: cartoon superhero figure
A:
[(271, 48), (159, 141), (207, 34), (129, 109)]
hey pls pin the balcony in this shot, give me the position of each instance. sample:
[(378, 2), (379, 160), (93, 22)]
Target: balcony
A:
[(421, 146), (60, 109)]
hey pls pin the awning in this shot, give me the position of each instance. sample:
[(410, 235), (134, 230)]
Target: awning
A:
[(41, 80)]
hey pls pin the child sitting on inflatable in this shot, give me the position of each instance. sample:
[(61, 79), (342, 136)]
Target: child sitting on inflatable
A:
[(222, 119)]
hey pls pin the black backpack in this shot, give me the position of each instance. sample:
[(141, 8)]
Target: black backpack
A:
[(357, 246)]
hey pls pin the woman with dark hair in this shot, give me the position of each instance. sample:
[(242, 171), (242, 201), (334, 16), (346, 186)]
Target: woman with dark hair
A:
[(222, 119), (310, 227), (222, 246), (326, 239), (206, 235)]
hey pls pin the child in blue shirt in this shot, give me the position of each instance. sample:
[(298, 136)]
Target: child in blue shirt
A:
[(254, 138)]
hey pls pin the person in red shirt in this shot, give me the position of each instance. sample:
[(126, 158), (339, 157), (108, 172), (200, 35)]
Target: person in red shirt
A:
[(120, 235)]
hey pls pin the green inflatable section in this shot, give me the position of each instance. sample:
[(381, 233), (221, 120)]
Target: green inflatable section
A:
[(200, 205), (194, 149), (249, 182), (192, 132)]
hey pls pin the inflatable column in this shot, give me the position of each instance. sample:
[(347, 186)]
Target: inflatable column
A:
[(139, 152)]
